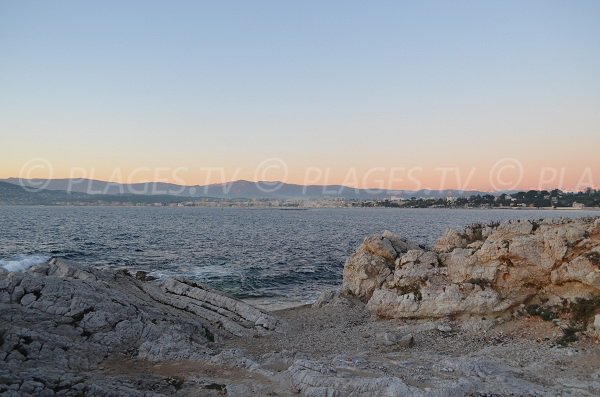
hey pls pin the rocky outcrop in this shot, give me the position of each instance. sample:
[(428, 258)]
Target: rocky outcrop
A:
[(373, 263), (71, 330), (446, 377), (486, 269), (60, 320), (230, 315)]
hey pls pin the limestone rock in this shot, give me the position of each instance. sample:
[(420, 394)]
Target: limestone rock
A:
[(62, 319), (380, 246), (435, 302), (314, 379), (373, 263), (583, 268), (406, 341), (396, 339), (332, 297), (482, 270), (415, 267), (450, 239), (364, 272), (400, 244)]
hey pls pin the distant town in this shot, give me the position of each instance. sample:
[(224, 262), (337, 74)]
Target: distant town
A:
[(527, 199), (530, 199), (11, 194)]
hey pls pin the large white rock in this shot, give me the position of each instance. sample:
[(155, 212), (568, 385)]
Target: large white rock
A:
[(400, 244), (484, 269), (380, 246), (364, 272), (373, 263)]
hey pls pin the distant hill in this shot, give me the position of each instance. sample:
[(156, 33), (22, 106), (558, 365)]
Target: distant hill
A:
[(11, 194), (92, 186), (14, 194), (231, 190)]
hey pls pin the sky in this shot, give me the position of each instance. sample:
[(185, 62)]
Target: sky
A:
[(486, 95)]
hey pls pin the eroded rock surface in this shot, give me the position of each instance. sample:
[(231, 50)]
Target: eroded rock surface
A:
[(373, 263), (483, 270), (60, 320)]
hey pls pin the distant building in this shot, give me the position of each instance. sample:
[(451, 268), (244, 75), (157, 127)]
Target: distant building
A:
[(577, 205)]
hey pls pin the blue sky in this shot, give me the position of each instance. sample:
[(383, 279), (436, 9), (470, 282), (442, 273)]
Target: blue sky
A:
[(326, 83)]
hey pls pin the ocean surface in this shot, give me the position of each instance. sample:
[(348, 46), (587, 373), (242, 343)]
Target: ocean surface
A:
[(270, 257)]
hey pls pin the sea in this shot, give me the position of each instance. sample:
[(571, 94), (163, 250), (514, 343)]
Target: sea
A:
[(272, 258)]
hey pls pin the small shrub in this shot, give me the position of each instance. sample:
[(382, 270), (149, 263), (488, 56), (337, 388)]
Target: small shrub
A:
[(533, 309), (582, 309), (569, 335), (545, 313), (593, 257)]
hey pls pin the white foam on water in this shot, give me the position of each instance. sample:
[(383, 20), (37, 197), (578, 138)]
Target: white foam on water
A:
[(202, 272), (208, 271), (22, 262)]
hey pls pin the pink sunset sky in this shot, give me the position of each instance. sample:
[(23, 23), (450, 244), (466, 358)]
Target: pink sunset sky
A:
[(437, 95)]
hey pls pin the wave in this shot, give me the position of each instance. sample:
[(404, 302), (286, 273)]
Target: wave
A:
[(207, 272), (23, 262)]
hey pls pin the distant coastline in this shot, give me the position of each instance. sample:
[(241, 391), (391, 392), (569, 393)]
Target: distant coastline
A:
[(258, 207), (244, 194)]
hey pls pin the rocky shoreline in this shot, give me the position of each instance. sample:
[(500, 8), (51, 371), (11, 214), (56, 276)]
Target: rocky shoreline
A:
[(509, 309)]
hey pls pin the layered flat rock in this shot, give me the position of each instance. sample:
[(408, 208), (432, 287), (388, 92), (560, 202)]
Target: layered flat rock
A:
[(60, 320)]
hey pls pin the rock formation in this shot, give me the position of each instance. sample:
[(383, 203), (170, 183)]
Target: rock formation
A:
[(485, 270), (373, 263), (60, 320), (69, 330)]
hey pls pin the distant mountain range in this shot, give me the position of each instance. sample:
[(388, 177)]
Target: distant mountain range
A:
[(12, 194), (230, 190)]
